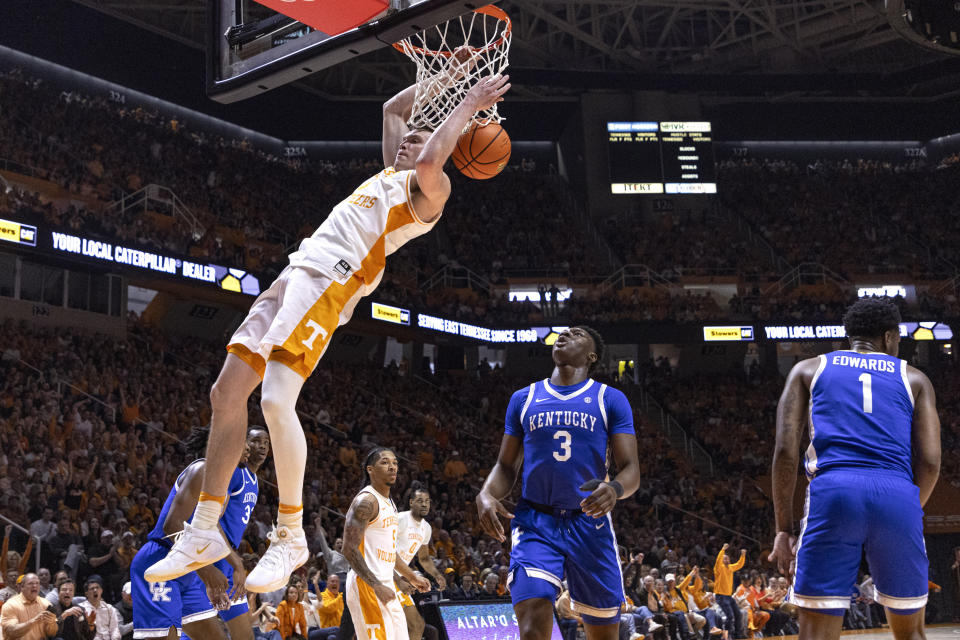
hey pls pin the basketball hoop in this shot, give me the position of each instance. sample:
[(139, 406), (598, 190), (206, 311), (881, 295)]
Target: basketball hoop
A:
[(442, 80)]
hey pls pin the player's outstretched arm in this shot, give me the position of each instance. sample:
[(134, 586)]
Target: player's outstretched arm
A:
[(791, 418), (423, 556), (362, 510), (497, 487), (396, 112), (926, 434), (433, 185)]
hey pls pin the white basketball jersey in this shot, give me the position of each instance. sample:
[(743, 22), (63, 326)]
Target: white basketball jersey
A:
[(379, 545), (411, 535), (362, 230)]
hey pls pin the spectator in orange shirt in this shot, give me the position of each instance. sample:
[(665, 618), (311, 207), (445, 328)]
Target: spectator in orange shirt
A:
[(292, 621), (723, 587), (454, 469)]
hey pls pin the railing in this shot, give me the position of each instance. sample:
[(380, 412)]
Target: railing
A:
[(37, 542), (808, 273), (456, 277), (756, 238), (17, 167), (675, 432), (948, 266), (950, 285), (586, 220), (154, 194), (635, 275)]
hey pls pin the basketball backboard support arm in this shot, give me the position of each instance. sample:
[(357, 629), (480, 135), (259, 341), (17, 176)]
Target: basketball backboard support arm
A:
[(232, 76)]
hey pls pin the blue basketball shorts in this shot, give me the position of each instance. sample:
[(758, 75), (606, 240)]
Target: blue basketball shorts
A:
[(548, 549), (846, 513), (157, 606)]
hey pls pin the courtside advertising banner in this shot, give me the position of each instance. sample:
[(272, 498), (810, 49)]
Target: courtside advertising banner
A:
[(483, 621)]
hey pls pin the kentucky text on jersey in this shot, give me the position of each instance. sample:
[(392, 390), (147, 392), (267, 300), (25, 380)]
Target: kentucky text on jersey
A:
[(861, 414), (579, 419), (565, 433)]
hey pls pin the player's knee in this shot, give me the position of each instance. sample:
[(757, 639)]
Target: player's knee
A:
[(275, 408), (225, 396)]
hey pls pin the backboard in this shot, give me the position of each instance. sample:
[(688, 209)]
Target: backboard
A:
[(252, 49)]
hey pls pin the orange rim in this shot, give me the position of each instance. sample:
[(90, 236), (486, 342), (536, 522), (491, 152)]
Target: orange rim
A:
[(490, 10)]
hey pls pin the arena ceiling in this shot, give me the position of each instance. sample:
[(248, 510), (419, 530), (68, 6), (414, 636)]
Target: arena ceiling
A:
[(729, 47)]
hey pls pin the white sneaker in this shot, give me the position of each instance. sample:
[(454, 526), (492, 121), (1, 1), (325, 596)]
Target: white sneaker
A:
[(653, 626), (193, 548), (287, 552)]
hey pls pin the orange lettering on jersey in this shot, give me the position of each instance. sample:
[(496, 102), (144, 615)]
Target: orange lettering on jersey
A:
[(389, 521), (386, 556), (361, 200)]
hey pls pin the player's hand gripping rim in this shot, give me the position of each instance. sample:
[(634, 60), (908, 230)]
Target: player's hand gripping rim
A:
[(784, 553), (460, 64), (602, 499), (489, 508)]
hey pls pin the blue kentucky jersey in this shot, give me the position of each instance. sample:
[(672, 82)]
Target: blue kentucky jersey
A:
[(861, 414), (244, 491), (565, 433)]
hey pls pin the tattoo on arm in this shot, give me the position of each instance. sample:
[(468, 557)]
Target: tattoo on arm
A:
[(362, 511)]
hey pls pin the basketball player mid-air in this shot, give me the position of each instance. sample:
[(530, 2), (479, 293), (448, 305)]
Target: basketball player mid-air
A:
[(370, 545), (413, 536), (290, 325), (873, 460), (560, 429), (192, 601)]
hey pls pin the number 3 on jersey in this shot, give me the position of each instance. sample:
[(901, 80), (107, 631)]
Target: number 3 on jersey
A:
[(564, 453)]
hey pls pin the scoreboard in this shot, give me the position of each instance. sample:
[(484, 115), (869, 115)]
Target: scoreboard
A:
[(661, 157)]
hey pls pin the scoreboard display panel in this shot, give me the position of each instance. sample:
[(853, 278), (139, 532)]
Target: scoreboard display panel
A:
[(661, 157)]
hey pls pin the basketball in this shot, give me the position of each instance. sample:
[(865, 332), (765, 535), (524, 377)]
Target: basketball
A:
[(482, 151)]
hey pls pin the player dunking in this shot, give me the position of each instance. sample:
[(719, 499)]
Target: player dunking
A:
[(560, 430), (873, 460), (413, 535), (370, 545), (160, 609), (290, 325)]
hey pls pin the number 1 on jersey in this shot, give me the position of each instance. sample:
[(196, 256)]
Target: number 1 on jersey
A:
[(564, 453), (867, 382)]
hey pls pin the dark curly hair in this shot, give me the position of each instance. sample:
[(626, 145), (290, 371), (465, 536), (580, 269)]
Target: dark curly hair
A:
[(871, 317), (196, 441), (600, 347), (373, 456)]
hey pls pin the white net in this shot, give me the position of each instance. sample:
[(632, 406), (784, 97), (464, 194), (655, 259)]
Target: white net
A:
[(481, 40)]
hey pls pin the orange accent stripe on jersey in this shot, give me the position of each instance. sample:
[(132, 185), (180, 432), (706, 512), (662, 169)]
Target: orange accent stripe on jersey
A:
[(293, 360), (286, 508), (209, 497), (306, 344), (370, 610), (254, 360)]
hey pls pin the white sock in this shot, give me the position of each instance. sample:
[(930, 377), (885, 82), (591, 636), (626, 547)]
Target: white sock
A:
[(207, 514)]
